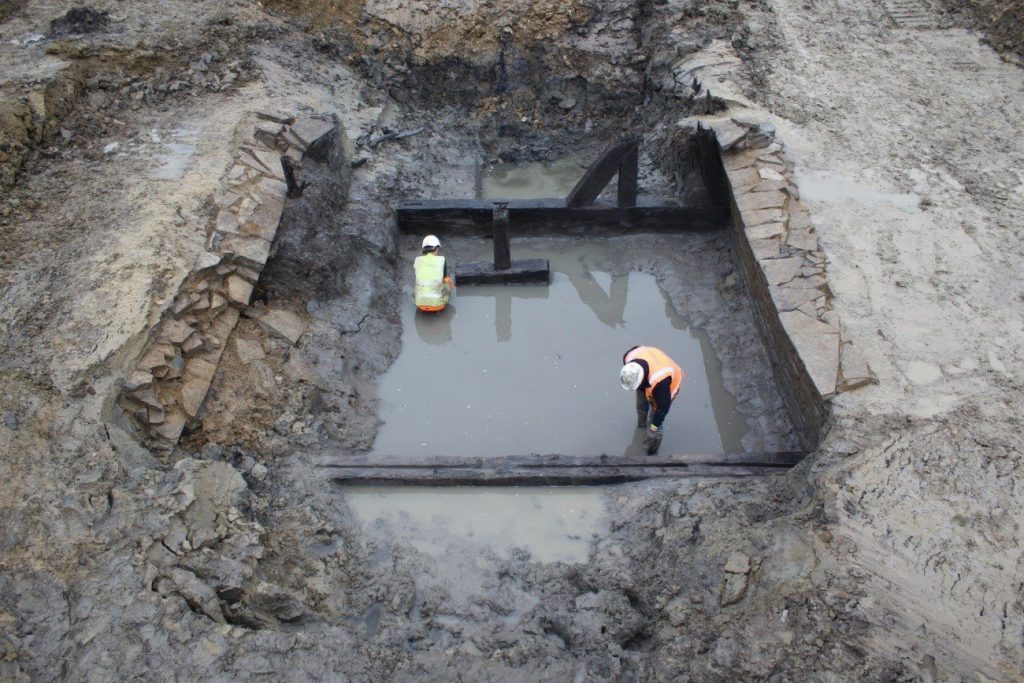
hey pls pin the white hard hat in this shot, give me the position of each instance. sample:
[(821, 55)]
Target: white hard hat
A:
[(631, 376), (431, 242)]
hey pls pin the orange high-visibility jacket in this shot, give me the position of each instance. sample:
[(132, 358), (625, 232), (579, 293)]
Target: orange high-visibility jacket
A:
[(659, 366)]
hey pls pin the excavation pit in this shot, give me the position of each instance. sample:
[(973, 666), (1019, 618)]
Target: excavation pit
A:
[(534, 368)]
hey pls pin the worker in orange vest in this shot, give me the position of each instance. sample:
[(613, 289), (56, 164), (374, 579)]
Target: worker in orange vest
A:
[(656, 379)]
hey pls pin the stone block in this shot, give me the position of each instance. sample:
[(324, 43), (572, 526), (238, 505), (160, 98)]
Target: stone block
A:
[(250, 274), (770, 174), (270, 160), (761, 216), (227, 222), (763, 232), (728, 135), (172, 426), (201, 368), (802, 239), (253, 249), (737, 160), (275, 117), (790, 297), (238, 290), (818, 347), (284, 324), (248, 350), (193, 393), (782, 270), (193, 345), (273, 189), (175, 331), (223, 324), (854, 370), (757, 201), (252, 162), (771, 160), (294, 142), (765, 248), (264, 221), (771, 186), (268, 133), (742, 179), (137, 380), (308, 131), (146, 397)]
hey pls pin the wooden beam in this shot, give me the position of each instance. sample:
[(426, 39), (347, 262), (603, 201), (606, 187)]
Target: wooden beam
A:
[(767, 459), (629, 172), (569, 476), (548, 470), (601, 172), (527, 271), (532, 217), (502, 238)]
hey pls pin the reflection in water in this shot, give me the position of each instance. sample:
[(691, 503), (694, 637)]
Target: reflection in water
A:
[(435, 328), (610, 306), (503, 296), (550, 384)]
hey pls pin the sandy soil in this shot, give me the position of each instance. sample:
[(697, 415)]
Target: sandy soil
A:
[(894, 552)]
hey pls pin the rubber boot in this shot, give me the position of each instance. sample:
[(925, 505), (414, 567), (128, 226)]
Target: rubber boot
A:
[(641, 410), (653, 441)]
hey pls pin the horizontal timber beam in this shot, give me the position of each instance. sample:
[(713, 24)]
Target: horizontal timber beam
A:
[(548, 470), (529, 217)]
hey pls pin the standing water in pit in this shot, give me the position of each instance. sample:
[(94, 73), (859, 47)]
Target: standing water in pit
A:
[(532, 369), (530, 180)]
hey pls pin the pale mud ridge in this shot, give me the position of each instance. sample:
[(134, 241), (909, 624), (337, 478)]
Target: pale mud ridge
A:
[(892, 553)]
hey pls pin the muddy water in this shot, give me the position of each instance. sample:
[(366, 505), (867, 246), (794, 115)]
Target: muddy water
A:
[(552, 525), (534, 369), (530, 180)]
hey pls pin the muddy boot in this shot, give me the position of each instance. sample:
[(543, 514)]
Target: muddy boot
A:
[(653, 441), (641, 410)]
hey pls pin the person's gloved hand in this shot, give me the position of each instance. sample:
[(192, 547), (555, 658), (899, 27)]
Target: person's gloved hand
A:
[(653, 440)]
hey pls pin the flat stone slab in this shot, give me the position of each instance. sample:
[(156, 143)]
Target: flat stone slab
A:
[(818, 346), (528, 271), (284, 324)]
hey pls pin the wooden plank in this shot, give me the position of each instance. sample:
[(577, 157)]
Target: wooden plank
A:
[(769, 459), (525, 272), (516, 476), (629, 178), (531, 217), (600, 173), (502, 237)]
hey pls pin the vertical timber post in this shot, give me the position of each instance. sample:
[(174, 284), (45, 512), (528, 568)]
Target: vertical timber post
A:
[(294, 187), (629, 170), (502, 240)]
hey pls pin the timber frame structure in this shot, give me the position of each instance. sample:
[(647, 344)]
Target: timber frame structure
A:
[(581, 213)]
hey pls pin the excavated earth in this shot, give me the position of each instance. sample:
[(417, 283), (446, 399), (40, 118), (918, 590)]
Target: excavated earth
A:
[(893, 552)]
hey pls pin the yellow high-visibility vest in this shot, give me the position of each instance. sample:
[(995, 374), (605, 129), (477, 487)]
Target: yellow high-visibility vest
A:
[(431, 290)]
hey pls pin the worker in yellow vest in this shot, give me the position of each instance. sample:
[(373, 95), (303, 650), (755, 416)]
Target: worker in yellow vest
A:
[(656, 379), (433, 283)]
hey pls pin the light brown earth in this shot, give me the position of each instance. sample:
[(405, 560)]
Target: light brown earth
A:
[(893, 552)]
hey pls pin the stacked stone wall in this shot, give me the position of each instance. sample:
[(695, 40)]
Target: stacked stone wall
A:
[(779, 256), (166, 389)]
